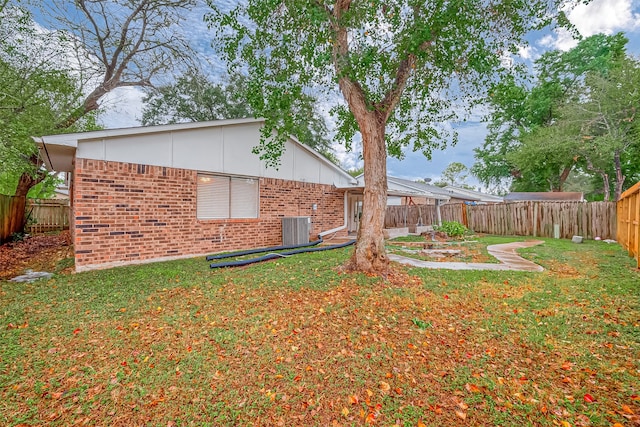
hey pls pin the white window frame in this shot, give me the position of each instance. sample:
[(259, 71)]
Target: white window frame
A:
[(215, 202)]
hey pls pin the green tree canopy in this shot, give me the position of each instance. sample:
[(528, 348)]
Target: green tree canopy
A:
[(117, 44), (35, 95), (518, 147), (606, 111), (399, 66)]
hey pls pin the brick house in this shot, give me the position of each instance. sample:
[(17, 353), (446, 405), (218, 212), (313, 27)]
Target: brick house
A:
[(182, 190)]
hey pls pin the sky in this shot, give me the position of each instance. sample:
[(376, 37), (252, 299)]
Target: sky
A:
[(123, 107)]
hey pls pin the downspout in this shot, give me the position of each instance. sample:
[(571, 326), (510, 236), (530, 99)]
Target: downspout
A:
[(438, 214), (342, 227)]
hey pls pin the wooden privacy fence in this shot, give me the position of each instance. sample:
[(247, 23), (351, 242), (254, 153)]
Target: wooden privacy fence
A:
[(595, 219), (404, 216), (545, 219), (47, 215), (629, 221), (8, 218)]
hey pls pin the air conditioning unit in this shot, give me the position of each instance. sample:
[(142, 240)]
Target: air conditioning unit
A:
[(295, 230)]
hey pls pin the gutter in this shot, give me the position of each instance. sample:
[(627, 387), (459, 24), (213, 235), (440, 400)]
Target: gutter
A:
[(43, 146)]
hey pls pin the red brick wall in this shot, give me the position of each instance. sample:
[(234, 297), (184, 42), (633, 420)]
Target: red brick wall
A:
[(126, 213)]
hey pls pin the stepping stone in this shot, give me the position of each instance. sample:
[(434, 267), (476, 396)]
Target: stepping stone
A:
[(32, 276)]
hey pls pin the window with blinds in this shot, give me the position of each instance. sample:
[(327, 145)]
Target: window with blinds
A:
[(222, 197)]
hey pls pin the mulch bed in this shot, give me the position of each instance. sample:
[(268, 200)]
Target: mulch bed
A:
[(38, 253)]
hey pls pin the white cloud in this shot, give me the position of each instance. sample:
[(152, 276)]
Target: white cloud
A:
[(121, 108), (598, 16), (528, 52), (604, 16)]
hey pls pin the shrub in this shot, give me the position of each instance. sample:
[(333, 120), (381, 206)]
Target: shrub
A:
[(452, 228)]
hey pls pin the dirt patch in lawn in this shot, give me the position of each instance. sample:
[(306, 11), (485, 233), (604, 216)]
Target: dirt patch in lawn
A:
[(47, 252)]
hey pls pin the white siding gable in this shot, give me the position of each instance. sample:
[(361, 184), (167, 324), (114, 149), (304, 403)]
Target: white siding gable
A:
[(225, 149)]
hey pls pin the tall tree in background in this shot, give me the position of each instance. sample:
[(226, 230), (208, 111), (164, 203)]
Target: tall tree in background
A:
[(32, 101), (194, 97), (456, 174), (117, 44), (606, 111), (34, 95), (398, 65), (520, 147)]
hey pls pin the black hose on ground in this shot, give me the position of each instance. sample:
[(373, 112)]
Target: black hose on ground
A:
[(261, 250), (279, 255)]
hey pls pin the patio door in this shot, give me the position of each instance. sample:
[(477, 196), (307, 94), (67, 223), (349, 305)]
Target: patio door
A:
[(355, 212)]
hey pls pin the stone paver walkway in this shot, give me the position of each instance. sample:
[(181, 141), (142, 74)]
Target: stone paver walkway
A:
[(505, 253)]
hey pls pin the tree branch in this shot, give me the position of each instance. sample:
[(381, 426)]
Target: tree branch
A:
[(100, 39), (352, 90)]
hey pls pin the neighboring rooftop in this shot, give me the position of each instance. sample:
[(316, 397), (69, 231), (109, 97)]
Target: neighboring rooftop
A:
[(472, 195), (448, 192), (549, 196)]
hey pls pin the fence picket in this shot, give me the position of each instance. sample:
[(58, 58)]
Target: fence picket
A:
[(628, 226), (47, 215)]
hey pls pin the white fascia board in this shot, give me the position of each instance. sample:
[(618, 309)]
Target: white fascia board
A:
[(71, 139)]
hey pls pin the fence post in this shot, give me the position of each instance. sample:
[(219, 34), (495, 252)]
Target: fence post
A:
[(465, 220), (535, 219), (629, 211)]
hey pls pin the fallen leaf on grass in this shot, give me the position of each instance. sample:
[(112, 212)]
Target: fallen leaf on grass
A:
[(344, 412), (588, 398), (565, 424), (436, 408), (567, 366), (462, 405), (627, 410), (371, 418), (353, 399), (384, 386), (461, 415), (472, 388)]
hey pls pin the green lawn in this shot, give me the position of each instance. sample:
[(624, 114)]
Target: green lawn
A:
[(294, 342)]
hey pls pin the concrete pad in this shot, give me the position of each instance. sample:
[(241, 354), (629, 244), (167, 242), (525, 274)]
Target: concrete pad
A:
[(505, 253), (419, 229), (392, 233)]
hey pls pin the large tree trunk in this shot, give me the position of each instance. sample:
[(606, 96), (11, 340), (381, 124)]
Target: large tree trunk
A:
[(605, 179), (25, 183), (606, 186), (619, 175), (563, 177), (369, 254)]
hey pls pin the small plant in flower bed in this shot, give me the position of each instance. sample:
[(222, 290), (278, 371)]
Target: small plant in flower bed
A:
[(452, 228)]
